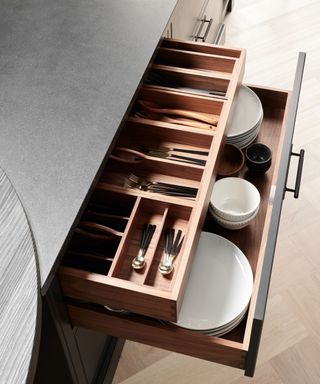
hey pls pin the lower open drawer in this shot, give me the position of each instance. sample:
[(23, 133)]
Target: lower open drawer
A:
[(234, 348)]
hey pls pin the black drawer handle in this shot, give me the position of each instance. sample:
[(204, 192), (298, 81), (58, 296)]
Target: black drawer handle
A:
[(296, 189), (204, 37)]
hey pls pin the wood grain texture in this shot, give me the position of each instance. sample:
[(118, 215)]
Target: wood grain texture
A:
[(251, 240), (160, 296), (19, 290), (272, 32)]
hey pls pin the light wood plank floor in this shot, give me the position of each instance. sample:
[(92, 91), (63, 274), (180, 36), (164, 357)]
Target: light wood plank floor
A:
[(273, 32)]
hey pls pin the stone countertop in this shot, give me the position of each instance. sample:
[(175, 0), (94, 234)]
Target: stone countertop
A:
[(68, 70)]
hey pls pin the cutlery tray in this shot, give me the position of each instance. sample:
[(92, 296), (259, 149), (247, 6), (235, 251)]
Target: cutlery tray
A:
[(97, 267)]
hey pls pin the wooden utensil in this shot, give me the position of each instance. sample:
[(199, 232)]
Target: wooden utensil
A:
[(206, 117)]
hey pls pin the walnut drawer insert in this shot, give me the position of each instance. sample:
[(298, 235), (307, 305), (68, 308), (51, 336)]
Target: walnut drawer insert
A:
[(110, 280)]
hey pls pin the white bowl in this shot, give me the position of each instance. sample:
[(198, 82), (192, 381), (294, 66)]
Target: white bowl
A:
[(234, 199), (233, 225)]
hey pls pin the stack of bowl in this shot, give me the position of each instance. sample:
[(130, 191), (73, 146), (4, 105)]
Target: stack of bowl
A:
[(234, 202)]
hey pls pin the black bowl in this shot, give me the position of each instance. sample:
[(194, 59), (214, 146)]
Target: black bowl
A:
[(258, 157)]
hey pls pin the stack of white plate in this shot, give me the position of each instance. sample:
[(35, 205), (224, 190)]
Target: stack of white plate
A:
[(219, 287), (246, 118)]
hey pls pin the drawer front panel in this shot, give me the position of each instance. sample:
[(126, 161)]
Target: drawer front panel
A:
[(150, 332)]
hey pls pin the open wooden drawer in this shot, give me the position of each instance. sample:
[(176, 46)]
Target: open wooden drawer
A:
[(86, 294), (98, 264)]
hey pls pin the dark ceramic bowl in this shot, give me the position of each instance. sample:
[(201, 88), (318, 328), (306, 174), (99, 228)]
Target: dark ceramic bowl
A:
[(258, 157)]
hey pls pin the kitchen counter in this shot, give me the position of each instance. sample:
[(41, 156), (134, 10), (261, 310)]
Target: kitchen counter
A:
[(68, 70)]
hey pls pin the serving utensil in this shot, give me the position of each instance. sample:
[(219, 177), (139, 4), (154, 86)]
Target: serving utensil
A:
[(172, 156), (139, 261), (131, 156), (172, 249), (90, 255), (184, 150), (201, 116), (96, 231), (175, 120)]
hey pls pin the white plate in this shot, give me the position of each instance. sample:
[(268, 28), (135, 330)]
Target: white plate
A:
[(224, 327), (244, 135), (247, 112), (219, 287), (219, 331), (245, 139), (244, 143), (238, 139), (227, 329)]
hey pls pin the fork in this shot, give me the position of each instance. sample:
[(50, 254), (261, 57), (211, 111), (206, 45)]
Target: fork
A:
[(136, 182), (166, 155)]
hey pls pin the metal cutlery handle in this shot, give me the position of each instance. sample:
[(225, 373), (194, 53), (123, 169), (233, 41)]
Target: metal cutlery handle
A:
[(189, 159), (139, 262), (173, 247), (191, 151)]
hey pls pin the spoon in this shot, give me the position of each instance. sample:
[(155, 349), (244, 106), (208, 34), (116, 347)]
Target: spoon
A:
[(139, 262)]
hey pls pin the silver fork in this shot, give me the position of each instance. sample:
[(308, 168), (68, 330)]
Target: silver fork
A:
[(136, 182)]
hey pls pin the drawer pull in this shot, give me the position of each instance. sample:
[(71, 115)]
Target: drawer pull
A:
[(205, 35), (296, 189)]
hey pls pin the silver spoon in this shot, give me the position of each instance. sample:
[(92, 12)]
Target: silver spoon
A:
[(139, 261)]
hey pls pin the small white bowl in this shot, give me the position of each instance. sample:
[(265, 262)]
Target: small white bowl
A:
[(233, 225), (234, 199)]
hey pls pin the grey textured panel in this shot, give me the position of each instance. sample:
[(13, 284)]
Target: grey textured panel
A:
[(68, 70), (19, 290)]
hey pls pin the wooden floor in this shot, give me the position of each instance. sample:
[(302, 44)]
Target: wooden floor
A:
[(273, 32)]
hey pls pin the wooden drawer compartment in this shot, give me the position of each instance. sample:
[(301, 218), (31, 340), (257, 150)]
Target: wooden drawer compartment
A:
[(194, 60), (188, 80), (97, 267), (237, 348), (188, 55), (195, 66)]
